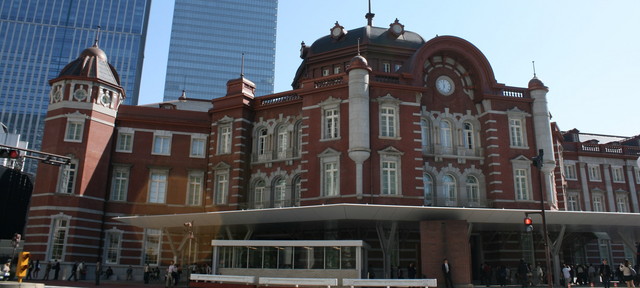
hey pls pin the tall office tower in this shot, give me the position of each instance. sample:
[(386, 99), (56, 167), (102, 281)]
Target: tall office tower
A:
[(207, 42), (39, 37)]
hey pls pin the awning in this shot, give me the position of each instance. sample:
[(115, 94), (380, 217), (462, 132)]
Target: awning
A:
[(479, 218)]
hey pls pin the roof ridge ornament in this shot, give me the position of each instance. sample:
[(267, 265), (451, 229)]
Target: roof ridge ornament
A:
[(95, 42), (369, 16)]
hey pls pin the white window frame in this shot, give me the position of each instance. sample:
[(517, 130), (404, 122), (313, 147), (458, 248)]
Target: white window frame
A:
[(473, 190), (389, 178), (282, 139), (280, 192), (152, 246), (225, 134), (617, 173), (595, 174), (161, 143), (67, 177), (570, 172), (388, 121), (446, 134), (195, 187), (517, 129), (58, 238), (325, 72), (468, 135), (74, 130), (331, 121), (263, 147), (259, 193), (296, 194), (337, 69), (120, 182), (125, 140), (598, 202), (330, 173), (428, 187), (158, 186), (425, 134), (221, 196), (573, 202), (112, 236), (522, 189), (622, 202), (386, 67), (198, 146), (450, 189)]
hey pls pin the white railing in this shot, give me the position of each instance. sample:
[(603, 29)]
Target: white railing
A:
[(298, 281), (223, 278), (390, 282)]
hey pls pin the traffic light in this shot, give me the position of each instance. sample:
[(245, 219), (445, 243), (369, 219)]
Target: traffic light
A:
[(9, 153), (23, 265), (528, 224)]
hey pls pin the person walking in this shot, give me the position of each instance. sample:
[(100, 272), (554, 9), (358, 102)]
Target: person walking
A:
[(47, 270), (566, 273), (36, 269), (446, 270), (147, 271), (56, 270), (605, 273), (73, 272), (98, 272), (628, 273)]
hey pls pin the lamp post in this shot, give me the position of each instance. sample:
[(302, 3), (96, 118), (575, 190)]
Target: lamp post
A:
[(539, 162), (189, 230)]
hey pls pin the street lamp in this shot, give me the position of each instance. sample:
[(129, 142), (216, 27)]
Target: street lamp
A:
[(189, 230)]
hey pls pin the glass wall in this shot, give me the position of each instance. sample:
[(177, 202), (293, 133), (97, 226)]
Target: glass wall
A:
[(275, 257)]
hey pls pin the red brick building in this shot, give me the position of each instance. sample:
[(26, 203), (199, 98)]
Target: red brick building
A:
[(410, 146)]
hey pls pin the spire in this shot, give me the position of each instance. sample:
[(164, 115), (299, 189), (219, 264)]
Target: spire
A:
[(183, 97), (534, 68), (242, 66), (95, 42), (369, 16)]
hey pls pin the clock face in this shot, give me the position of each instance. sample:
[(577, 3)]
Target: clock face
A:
[(336, 32), (397, 29), (444, 85)]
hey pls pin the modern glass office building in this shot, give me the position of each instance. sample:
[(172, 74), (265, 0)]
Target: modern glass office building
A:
[(39, 37), (207, 42)]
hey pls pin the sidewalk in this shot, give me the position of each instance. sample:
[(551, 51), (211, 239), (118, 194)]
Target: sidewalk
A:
[(103, 283)]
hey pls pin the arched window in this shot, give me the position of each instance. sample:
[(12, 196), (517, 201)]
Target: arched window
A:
[(425, 133), (295, 194), (258, 194), (445, 134), (262, 146), (279, 192), (450, 189), (473, 190), (427, 182), (283, 142), (468, 135)]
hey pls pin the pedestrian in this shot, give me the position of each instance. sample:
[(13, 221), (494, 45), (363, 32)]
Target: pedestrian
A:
[(98, 272), (566, 273), (605, 273), (30, 270), (411, 271), (6, 270), (36, 269), (628, 273), (80, 271), (47, 270), (523, 273), (108, 273), (147, 271), (73, 272), (129, 273), (446, 270), (502, 276), (56, 270), (169, 277)]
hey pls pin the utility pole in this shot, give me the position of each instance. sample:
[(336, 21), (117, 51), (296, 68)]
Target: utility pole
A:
[(538, 162)]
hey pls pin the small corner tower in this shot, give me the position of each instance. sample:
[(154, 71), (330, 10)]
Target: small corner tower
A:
[(359, 118)]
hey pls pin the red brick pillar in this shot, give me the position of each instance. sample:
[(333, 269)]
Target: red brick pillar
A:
[(446, 239)]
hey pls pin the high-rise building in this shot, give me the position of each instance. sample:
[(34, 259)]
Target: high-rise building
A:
[(208, 39), (38, 38)]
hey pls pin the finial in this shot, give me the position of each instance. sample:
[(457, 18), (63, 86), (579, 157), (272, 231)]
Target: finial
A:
[(534, 68), (242, 66), (369, 15), (95, 42), (183, 97)]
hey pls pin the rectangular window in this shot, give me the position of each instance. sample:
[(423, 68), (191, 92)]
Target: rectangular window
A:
[(152, 246), (59, 233), (222, 187), (325, 72), (389, 178), (387, 122), (125, 142), (331, 124), (67, 179), (396, 67), (74, 130), (572, 202), (283, 143), (570, 171), (598, 203), (161, 145), (618, 174), (119, 183), (521, 182), (112, 249), (516, 133), (594, 173), (194, 188), (197, 147), (386, 67), (336, 69), (330, 179), (158, 186), (224, 140), (622, 203)]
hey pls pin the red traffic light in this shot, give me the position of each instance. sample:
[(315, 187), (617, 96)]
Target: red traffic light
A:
[(9, 153), (528, 221)]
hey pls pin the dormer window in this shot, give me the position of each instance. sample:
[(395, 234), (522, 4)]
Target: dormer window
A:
[(386, 67)]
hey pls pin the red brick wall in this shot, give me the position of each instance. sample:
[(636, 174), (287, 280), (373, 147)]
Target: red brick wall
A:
[(446, 239)]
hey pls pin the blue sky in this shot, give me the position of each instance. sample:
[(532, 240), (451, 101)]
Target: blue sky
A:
[(587, 52)]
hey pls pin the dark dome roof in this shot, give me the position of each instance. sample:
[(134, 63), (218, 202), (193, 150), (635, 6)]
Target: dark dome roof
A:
[(358, 62), (535, 84), (367, 35), (92, 63)]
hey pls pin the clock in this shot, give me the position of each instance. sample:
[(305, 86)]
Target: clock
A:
[(396, 28), (445, 85), (337, 31)]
